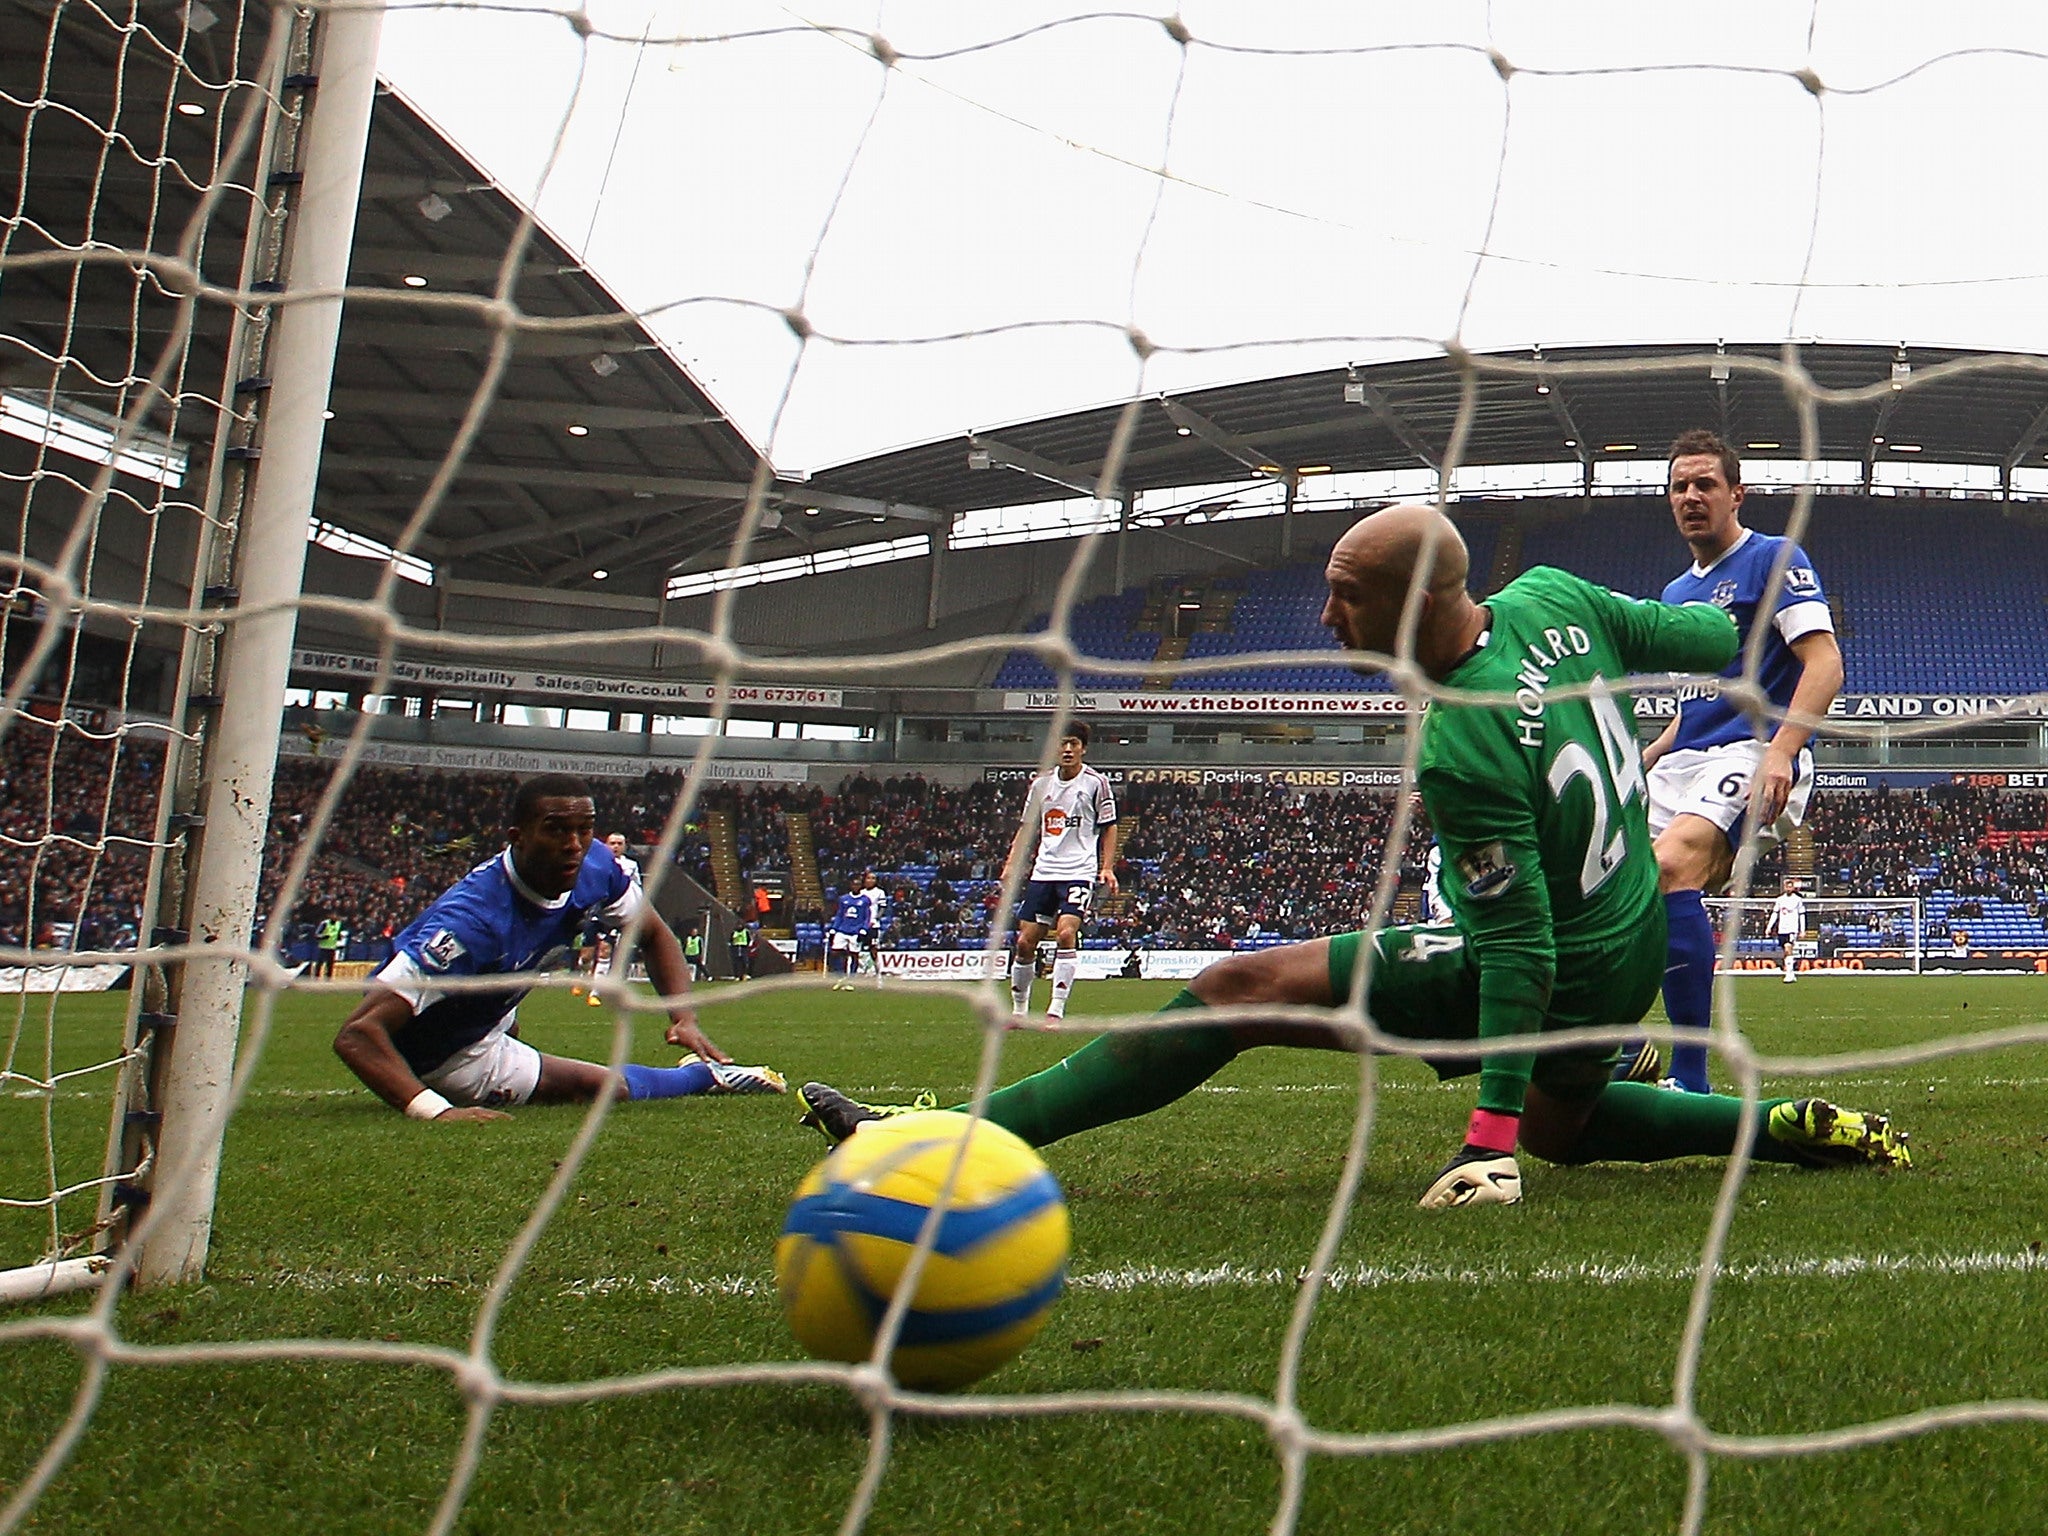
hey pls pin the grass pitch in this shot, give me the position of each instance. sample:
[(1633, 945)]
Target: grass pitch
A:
[(1849, 1297)]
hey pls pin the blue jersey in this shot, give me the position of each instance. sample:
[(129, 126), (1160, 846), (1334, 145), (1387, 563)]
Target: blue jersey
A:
[(878, 904), (850, 914), (1736, 582), (490, 923)]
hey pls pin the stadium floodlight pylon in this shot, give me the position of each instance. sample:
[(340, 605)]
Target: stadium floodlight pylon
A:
[(1853, 933)]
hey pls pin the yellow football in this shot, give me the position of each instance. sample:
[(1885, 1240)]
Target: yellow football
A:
[(990, 1280)]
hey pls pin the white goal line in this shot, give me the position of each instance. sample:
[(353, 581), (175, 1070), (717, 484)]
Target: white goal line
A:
[(1130, 1278)]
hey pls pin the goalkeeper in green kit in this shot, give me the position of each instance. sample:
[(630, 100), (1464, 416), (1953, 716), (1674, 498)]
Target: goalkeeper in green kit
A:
[(1539, 807)]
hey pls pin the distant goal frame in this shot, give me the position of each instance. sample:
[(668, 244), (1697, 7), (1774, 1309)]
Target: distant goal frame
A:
[(1904, 959)]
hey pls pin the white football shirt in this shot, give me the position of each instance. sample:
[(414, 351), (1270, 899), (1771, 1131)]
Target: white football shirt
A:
[(877, 899), (1071, 815), (1788, 915)]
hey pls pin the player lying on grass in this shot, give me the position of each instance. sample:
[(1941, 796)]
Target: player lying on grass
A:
[(1548, 872), (438, 1054)]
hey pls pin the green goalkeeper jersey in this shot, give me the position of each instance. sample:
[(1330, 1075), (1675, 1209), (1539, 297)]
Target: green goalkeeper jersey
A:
[(1539, 803)]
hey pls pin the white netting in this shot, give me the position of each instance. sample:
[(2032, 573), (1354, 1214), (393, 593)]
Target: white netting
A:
[(127, 140), (148, 395)]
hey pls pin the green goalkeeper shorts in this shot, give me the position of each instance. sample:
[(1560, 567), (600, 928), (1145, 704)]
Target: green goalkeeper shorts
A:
[(1425, 986)]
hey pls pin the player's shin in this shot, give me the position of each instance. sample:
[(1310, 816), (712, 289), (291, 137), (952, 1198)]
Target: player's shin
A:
[(1636, 1123), (1066, 965), (1689, 983), (1022, 973), (666, 1082), (1114, 1077)]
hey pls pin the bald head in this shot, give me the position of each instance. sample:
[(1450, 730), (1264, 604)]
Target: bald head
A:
[(1370, 573), (1388, 547)]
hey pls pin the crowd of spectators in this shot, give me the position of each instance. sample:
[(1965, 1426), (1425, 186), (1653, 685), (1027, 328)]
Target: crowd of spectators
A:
[(1976, 842), (1248, 862), (400, 836), (76, 819), (1199, 866)]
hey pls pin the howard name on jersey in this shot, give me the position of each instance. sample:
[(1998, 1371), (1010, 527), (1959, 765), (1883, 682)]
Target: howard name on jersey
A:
[(1071, 816), (1539, 807), (1735, 583), (491, 923)]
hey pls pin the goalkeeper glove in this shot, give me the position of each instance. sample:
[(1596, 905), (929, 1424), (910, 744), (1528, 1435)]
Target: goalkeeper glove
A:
[(1484, 1171), (1476, 1176)]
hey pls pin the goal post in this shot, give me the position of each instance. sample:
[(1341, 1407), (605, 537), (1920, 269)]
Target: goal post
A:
[(299, 132), (1844, 934), (265, 565)]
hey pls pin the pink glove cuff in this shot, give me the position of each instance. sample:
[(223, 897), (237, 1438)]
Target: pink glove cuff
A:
[(1495, 1132)]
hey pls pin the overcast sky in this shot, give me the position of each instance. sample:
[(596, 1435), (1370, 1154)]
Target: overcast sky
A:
[(1660, 175)]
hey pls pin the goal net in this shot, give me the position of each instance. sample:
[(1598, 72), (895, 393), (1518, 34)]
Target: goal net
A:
[(1843, 933), (126, 435), (198, 202)]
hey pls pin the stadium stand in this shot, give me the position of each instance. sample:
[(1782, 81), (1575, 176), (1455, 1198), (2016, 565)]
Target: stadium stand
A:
[(1275, 610), (1970, 622), (83, 888), (1102, 626), (1239, 865)]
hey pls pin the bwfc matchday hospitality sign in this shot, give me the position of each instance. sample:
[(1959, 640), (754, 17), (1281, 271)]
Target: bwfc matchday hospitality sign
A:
[(589, 765), (611, 689)]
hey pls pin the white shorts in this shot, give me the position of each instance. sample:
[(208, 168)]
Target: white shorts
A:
[(1713, 783), (496, 1071), (845, 943)]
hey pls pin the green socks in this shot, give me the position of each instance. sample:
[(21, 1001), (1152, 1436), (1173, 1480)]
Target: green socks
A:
[(1635, 1123), (1128, 1073), (1113, 1077)]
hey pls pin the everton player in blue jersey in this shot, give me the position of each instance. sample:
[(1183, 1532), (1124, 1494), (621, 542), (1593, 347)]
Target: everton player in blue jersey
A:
[(847, 936), (441, 1054), (1711, 762)]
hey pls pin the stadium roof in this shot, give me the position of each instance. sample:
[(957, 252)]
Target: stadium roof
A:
[(655, 479), (1587, 404), (654, 469)]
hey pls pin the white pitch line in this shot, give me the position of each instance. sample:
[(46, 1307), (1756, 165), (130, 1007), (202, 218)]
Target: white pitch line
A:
[(1584, 1272), (1133, 1278)]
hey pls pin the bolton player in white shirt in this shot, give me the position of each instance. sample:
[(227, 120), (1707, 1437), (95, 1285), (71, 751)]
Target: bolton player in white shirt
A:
[(1711, 763), (1433, 908), (1071, 815), (1788, 922), (602, 943), (617, 843), (877, 901)]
